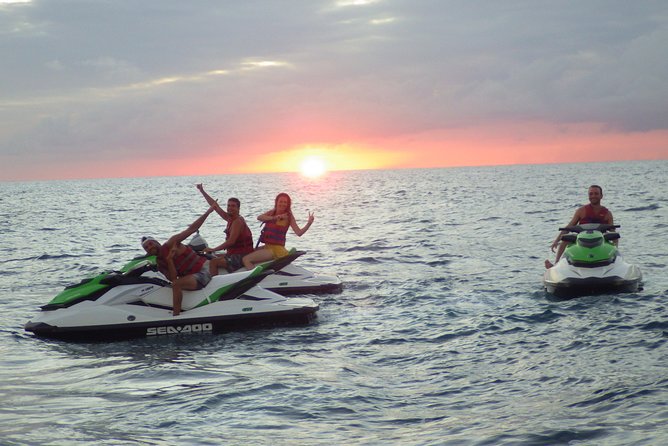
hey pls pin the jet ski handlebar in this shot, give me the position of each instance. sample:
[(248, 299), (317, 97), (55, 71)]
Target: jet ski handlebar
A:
[(589, 227)]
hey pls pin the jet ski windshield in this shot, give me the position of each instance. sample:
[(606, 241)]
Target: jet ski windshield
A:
[(590, 239)]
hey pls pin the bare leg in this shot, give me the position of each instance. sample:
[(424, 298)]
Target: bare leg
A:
[(560, 252), (214, 264), (177, 298), (182, 283), (257, 256)]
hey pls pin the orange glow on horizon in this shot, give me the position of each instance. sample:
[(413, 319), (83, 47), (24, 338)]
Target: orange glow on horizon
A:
[(499, 144), (332, 157)]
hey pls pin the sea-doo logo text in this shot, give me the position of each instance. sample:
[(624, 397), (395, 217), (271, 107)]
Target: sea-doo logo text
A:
[(146, 290), (191, 328)]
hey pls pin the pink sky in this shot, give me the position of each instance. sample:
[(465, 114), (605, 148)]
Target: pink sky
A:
[(364, 85), (501, 144)]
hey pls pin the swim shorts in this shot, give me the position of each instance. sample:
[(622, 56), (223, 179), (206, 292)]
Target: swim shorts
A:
[(234, 262), (203, 277)]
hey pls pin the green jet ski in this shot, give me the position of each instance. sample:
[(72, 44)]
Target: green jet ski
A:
[(591, 264), (137, 302)]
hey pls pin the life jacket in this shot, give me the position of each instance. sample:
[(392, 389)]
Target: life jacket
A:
[(186, 262), (594, 217), (273, 234), (244, 243)]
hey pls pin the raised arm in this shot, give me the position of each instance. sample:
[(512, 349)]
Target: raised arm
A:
[(300, 231), (213, 203), (194, 226)]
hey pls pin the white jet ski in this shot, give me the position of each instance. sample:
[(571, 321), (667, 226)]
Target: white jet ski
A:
[(591, 264), (137, 302), (287, 279)]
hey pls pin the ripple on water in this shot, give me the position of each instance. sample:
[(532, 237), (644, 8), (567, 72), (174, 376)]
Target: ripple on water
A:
[(443, 333)]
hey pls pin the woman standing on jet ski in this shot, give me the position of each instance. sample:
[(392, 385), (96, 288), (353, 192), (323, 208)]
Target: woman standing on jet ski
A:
[(276, 221)]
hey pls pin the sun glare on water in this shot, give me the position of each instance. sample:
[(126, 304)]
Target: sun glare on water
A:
[(313, 167)]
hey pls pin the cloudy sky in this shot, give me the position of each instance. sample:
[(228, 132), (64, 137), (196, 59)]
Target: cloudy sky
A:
[(136, 88)]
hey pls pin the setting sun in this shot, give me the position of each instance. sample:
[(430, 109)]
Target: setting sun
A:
[(313, 166), (316, 160)]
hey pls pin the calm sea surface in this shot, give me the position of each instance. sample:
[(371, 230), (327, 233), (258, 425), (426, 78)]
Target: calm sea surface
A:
[(442, 335)]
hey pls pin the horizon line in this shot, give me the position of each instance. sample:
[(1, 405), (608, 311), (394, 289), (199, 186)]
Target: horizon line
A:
[(295, 172)]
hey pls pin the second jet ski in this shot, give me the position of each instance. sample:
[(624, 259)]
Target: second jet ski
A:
[(591, 264), (287, 279)]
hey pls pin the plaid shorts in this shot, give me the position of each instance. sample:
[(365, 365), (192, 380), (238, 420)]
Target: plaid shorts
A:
[(203, 277), (234, 262)]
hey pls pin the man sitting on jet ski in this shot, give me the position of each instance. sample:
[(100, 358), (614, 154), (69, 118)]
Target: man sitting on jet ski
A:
[(590, 213), (180, 263), (238, 236)]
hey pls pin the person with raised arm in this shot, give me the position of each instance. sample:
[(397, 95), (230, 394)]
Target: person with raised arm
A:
[(238, 236), (186, 269)]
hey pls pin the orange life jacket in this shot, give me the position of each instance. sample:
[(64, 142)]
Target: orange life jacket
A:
[(273, 234), (186, 262), (594, 217), (244, 243)]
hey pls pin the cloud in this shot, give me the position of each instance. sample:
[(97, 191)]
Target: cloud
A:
[(107, 79)]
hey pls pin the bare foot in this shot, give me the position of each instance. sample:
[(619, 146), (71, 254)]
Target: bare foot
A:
[(548, 264)]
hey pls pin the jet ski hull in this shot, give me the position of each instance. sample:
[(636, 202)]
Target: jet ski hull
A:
[(141, 306), (565, 280), (301, 315), (592, 285), (293, 280)]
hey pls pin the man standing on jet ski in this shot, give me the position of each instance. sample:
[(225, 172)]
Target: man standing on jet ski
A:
[(238, 236), (180, 263), (590, 213)]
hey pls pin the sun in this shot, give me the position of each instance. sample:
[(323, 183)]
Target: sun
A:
[(313, 167)]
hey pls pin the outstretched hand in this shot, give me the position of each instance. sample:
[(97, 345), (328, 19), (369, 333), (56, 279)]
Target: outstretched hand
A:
[(199, 186), (311, 217)]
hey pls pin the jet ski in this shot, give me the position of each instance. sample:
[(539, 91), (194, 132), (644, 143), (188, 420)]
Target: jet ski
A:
[(137, 302), (591, 264), (287, 279)]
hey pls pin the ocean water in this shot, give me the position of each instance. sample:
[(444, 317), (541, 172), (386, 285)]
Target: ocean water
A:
[(442, 334)]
